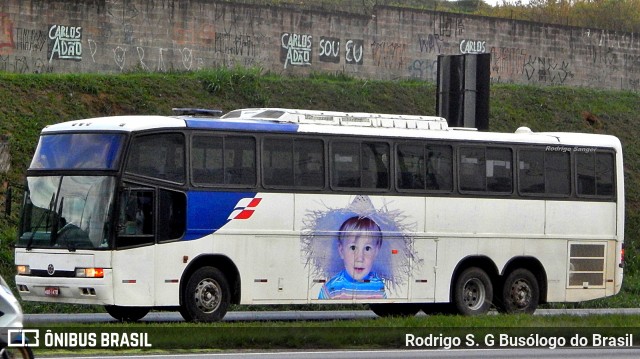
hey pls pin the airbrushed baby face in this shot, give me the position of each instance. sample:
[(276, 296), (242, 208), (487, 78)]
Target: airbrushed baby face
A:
[(358, 251)]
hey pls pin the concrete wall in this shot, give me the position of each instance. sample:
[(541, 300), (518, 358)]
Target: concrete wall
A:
[(111, 36)]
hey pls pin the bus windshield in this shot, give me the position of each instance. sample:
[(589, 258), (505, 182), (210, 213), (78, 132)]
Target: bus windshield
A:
[(70, 212), (78, 151)]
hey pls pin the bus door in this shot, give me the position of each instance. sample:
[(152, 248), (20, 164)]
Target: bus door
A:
[(134, 257)]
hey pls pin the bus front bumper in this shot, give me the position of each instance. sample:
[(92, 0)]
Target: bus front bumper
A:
[(66, 290)]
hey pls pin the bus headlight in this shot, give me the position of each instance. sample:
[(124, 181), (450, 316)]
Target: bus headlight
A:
[(23, 270), (90, 272)]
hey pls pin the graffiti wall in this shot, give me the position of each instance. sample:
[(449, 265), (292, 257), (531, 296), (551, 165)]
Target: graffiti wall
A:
[(110, 36)]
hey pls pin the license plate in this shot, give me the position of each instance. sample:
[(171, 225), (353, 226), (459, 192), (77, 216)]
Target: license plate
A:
[(51, 291)]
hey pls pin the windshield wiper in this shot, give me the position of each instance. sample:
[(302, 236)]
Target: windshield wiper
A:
[(56, 224), (42, 217)]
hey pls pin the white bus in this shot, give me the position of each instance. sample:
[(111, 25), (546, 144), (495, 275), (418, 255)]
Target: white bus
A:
[(282, 206)]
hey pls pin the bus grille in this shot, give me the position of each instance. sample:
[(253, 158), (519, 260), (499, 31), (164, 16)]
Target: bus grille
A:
[(586, 265)]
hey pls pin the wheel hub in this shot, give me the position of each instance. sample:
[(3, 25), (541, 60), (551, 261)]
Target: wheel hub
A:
[(208, 295), (473, 294), (521, 293)]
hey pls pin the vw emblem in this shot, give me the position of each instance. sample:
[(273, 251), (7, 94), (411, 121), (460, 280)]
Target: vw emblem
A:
[(50, 269)]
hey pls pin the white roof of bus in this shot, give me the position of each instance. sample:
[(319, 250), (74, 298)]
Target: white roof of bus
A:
[(523, 135), (116, 123)]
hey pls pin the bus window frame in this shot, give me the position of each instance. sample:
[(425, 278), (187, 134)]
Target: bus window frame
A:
[(222, 135), (614, 195), (424, 144), (360, 140), (572, 190), (485, 146), (293, 187), (185, 155)]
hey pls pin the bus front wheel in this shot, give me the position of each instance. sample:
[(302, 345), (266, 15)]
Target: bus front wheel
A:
[(206, 296), (126, 314), (520, 293), (473, 292)]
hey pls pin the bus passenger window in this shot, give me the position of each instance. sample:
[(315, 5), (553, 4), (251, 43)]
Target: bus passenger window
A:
[(425, 167), (439, 171), (544, 172), (557, 173), (360, 165), (585, 174), (277, 162), (345, 165), (411, 168), (223, 160), (499, 177), (159, 156), (240, 160), (472, 169), (594, 174), (308, 163), (206, 160), (531, 171), (604, 174), (375, 165)]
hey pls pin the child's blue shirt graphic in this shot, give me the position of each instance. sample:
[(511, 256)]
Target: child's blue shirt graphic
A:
[(343, 286)]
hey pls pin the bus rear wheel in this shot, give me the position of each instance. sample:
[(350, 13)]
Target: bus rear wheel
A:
[(126, 314), (472, 292), (206, 296), (520, 292)]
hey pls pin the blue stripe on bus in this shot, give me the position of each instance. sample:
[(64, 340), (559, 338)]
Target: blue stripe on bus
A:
[(207, 212), (244, 125)]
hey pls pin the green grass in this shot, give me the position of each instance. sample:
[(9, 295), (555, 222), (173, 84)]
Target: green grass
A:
[(376, 333), (30, 102)]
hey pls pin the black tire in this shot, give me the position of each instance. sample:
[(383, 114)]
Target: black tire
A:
[(17, 352), (520, 292), (472, 292), (206, 296), (126, 314), (395, 309)]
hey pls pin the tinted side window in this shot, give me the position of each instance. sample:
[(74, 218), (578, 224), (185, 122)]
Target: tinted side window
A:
[(360, 165), (345, 164), (277, 162), (544, 172), (605, 185), (293, 163), (159, 156), (308, 157), (425, 167), (206, 160), (411, 169), (594, 174), (531, 172), (557, 173), (485, 169), (499, 170), (472, 170), (240, 160), (223, 160)]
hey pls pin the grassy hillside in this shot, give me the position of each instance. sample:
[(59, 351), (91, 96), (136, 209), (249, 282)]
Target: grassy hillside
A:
[(30, 102)]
